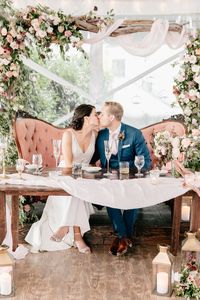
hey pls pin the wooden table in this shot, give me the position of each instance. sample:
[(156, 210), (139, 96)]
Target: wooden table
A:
[(15, 191)]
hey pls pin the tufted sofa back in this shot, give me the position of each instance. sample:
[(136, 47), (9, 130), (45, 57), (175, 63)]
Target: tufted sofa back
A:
[(35, 136), (173, 126)]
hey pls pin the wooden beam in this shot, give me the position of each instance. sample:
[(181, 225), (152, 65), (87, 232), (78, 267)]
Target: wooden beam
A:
[(127, 27)]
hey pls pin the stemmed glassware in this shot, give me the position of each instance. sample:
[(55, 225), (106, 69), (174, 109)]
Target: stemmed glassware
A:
[(3, 148), (139, 163), (20, 165), (37, 161), (108, 155), (56, 150)]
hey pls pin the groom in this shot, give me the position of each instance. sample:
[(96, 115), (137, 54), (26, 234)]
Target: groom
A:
[(125, 142)]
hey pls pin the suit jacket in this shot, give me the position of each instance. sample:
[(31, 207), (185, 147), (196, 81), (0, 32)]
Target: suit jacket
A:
[(131, 145)]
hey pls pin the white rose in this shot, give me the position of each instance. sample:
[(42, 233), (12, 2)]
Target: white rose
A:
[(74, 39), (192, 59), (49, 29), (192, 92), (41, 33), (195, 68), (187, 111), (4, 31), (197, 79)]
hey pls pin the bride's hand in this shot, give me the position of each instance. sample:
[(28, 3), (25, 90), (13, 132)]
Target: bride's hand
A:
[(98, 163)]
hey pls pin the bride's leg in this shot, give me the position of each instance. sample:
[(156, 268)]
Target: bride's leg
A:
[(60, 234), (79, 242)]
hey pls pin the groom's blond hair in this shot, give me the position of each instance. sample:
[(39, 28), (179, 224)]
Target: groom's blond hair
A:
[(115, 109)]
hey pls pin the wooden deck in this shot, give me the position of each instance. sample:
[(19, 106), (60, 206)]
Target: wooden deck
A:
[(71, 275)]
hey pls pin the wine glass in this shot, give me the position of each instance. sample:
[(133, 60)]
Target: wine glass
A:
[(37, 161), (108, 155), (139, 163), (20, 167), (56, 150)]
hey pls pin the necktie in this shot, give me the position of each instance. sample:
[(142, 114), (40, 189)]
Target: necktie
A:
[(113, 143)]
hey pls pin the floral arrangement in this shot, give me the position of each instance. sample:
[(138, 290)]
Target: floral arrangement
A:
[(187, 83), (186, 148), (121, 136), (188, 281)]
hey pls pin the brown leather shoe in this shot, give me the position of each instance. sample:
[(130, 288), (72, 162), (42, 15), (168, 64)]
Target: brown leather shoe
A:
[(114, 247), (123, 247)]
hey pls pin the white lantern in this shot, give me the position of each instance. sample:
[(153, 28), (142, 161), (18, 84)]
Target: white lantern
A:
[(190, 249), (6, 273), (163, 272)]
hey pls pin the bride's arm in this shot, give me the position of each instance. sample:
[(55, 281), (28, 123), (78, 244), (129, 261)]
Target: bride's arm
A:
[(67, 148)]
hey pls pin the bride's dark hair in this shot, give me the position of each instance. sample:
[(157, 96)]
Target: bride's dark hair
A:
[(80, 112)]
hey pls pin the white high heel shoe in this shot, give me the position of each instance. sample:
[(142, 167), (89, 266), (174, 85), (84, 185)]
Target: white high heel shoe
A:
[(80, 245)]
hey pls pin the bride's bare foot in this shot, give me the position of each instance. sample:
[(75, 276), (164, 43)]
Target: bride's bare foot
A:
[(59, 235), (80, 244)]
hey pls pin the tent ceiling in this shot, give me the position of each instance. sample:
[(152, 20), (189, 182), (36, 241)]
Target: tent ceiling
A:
[(121, 7)]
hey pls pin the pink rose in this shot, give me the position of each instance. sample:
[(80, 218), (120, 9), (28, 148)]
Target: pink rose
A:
[(186, 142), (27, 208), (196, 132), (68, 33)]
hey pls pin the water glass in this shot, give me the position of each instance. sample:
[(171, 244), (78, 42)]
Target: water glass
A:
[(154, 175), (37, 161), (77, 169), (139, 163), (20, 165), (124, 167)]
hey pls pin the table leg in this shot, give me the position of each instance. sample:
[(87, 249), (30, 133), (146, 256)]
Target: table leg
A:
[(3, 229), (195, 213), (176, 224), (15, 220)]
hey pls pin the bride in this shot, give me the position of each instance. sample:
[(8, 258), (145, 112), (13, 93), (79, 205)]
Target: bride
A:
[(65, 219)]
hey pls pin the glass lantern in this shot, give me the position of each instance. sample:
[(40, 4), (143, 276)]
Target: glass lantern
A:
[(6, 273), (190, 250), (163, 272), (186, 208)]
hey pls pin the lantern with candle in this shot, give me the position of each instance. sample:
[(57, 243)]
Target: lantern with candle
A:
[(6, 273), (186, 208), (163, 272), (190, 249)]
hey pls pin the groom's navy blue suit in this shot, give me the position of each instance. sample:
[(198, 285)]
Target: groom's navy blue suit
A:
[(131, 144)]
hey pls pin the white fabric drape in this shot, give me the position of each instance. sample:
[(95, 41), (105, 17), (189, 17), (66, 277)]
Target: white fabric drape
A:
[(158, 35)]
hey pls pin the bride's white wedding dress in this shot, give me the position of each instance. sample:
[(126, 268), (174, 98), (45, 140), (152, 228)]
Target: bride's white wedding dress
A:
[(63, 211)]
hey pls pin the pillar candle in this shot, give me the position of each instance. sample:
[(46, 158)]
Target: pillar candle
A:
[(185, 213), (5, 284), (162, 282)]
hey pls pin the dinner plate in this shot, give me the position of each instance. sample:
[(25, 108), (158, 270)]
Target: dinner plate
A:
[(92, 169), (32, 167), (163, 172)]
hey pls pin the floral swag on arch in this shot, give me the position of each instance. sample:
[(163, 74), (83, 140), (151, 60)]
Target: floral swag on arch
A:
[(187, 91)]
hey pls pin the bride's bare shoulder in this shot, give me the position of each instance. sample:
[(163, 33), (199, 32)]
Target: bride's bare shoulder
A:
[(67, 134)]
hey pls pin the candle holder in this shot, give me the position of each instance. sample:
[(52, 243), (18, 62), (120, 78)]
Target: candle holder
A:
[(190, 250), (163, 272), (6, 273), (186, 206)]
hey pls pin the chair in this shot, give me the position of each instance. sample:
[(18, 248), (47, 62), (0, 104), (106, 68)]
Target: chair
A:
[(33, 135), (175, 127)]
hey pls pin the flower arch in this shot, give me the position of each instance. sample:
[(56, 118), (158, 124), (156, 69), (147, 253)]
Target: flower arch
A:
[(187, 82)]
